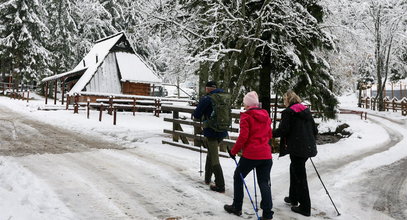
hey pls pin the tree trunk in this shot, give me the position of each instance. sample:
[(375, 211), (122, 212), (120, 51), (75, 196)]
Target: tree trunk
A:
[(203, 77), (378, 56), (265, 80)]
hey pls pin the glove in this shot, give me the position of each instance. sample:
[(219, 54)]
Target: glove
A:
[(231, 155)]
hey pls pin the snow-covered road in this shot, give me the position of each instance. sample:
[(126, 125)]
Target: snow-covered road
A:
[(68, 167), (385, 188), (115, 183)]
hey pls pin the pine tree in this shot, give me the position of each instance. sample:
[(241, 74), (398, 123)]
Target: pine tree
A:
[(93, 23), (63, 37), (251, 44), (22, 39)]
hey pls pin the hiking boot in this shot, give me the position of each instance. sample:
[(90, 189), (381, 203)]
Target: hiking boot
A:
[(261, 218), (300, 211), (288, 200), (217, 189), (231, 209), (207, 182)]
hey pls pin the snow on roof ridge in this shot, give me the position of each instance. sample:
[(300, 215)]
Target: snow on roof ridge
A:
[(108, 37)]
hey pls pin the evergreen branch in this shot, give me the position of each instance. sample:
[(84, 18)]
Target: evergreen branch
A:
[(229, 13)]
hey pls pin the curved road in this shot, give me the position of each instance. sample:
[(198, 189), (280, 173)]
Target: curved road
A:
[(386, 187), (101, 180)]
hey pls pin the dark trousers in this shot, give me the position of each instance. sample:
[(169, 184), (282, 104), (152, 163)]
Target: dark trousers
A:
[(263, 168), (212, 165), (298, 183)]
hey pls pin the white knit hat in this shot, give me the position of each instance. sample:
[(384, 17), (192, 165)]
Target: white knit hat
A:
[(251, 99)]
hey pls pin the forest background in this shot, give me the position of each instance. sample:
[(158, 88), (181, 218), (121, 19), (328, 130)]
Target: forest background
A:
[(320, 49)]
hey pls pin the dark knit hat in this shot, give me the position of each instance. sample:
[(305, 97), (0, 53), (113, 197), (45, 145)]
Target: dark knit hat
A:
[(211, 84)]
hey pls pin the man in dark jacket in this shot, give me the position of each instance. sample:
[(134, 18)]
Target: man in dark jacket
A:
[(298, 132), (212, 165)]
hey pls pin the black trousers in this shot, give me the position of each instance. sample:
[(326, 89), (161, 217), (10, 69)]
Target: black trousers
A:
[(263, 169), (298, 183)]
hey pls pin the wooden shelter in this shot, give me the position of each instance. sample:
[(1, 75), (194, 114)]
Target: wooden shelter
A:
[(110, 67)]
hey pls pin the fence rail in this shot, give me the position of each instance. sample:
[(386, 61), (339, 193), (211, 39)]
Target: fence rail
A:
[(194, 140), (389, 104)]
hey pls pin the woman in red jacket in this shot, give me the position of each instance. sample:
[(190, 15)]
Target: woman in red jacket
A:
[(253, 141)]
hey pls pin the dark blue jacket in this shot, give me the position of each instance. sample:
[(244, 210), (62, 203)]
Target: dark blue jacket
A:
[(204, 110)]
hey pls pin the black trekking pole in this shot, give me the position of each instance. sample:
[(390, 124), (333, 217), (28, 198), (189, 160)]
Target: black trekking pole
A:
[(324, 187), (255, 188), (248, 193), (200, 149)]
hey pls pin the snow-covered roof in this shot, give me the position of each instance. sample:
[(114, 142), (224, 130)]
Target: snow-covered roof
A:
[(133, 69), (54, 77), (99, 51), (131, 66)]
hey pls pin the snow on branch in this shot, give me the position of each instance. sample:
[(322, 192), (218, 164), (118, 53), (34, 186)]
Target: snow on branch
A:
[(179, 25), (229, 13)]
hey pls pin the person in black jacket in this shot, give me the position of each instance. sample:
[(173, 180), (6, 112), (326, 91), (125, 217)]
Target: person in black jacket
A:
[(298, 132)]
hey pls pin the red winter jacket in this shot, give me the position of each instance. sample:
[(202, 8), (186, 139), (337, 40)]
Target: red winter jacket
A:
[(255, 134)]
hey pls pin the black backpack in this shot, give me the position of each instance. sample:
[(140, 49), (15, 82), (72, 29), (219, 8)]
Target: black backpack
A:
[(220, 118)]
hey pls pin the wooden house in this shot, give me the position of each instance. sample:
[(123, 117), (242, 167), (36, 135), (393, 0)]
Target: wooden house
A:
[(111, 67)]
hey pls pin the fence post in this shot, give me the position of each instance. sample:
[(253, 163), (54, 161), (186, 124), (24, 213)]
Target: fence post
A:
[(100, 111), (404, 107), (109, 110), (67, 102), (134, 107), (46, 92), (197, 131), (88, 107), (76, 105), (114, 115), (175, 115), (55, 91), (63, 90), (157, 107), (28, 95)]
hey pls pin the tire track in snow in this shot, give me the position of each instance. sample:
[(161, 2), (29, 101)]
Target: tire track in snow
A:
[(117, 185), (333, 166), (385, 187), (100, 185)]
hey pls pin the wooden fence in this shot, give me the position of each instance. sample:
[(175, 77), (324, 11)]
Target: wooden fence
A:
[(112, 104), (389, 104), (189, 131), (20, 91)]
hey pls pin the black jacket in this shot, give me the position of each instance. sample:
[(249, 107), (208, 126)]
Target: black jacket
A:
[(298, 132)]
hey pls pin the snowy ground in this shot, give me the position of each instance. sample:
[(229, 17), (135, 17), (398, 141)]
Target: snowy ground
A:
[(57, 165)]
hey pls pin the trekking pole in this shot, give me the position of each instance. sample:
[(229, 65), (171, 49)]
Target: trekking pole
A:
[(248, 193), (324, 187), (255, 191), (200, 149)]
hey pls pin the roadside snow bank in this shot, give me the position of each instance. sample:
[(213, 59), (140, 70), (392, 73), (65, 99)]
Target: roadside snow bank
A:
[(24, 196)]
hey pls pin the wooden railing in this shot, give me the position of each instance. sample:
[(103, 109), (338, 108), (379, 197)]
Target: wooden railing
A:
[(113, 104), (16, 91), (189, 131), (389, 104)]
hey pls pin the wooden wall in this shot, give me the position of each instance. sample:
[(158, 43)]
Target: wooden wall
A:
[(136, 88)]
